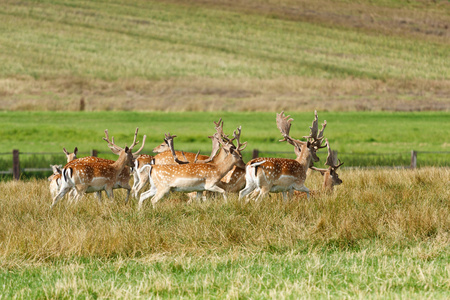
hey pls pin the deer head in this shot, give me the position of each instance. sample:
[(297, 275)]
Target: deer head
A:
[(314, 139), (116, 149), (331, 176), (71, 156)]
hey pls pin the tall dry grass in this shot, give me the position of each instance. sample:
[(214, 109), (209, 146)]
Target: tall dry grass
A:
[(386, 206)]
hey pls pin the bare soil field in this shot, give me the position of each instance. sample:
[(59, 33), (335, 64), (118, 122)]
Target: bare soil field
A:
[(207, 94)]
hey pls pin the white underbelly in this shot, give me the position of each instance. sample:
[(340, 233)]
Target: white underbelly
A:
[(283, 184), (279, 188), (97, 184), (93, 189), (188, 185)]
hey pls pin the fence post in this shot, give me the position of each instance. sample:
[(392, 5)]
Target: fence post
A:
[(94, 152), (255, 153), (16, 165), (413, 159)]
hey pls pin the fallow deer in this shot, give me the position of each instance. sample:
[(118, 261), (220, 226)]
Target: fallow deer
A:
[(125, 175), (167, 156), (93, 176), (123, 180), (164, 157), (195, 177), (274, 175), (330, 176)]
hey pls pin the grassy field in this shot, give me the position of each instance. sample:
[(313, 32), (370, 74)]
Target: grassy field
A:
[(382, 234), (361, 138), (376, 70), (211, 56)]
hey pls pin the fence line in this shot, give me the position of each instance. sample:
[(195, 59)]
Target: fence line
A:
[(16, 170)]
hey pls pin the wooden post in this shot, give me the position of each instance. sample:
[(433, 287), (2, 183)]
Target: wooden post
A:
[(16, 165), (255, 153), (413, 159), (82, 104), (94, 152)]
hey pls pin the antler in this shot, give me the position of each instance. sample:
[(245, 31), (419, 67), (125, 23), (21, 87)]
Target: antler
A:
[(168, 138), (236, 136), (316, 137), (116, 149), (332, 160), (284, 125), (216, 139), (135, 154), (215, 147)]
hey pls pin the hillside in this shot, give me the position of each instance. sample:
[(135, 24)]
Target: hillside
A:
[(211, 55)]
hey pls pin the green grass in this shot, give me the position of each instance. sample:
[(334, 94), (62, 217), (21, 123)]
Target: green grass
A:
[(304, 273), (386, 137), (210, 55), (360, 132), (151, 39)]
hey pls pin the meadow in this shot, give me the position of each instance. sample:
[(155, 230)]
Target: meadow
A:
[(212, 56), (381, 234), (376, 70)]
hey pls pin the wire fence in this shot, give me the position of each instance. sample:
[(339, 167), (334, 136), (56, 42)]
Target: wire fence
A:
[(23, 165)]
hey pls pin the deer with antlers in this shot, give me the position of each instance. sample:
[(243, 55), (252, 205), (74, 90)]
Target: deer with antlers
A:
[(93, 174), (167, 156), (194, 177), (274, 175), (330, 176), (124, 177)]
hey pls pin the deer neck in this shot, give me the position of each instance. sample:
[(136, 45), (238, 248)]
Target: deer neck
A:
[(305, 156), (219, 157), (225, 164), (327, 182), (120, 163)]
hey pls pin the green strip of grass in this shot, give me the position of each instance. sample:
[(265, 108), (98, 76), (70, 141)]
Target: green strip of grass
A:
[(360, 132), (353, 134), (367, 273)]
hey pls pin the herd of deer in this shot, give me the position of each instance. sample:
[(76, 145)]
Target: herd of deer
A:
[(223, 171)]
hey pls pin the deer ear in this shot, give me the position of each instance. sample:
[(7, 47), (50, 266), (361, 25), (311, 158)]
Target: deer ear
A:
[(75, 151)]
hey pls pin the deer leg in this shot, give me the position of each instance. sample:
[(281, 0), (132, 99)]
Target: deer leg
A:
[(143, 180), (199, 196), (215, 188), (151, 192), (72, 195), (109, 193), (302, 188), (139, 187), (128, 195), (249, 187), (262, 193), (99, 196), (62, 192), (159, 194), (287, 195)]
